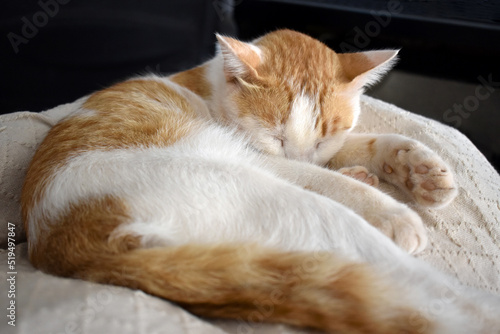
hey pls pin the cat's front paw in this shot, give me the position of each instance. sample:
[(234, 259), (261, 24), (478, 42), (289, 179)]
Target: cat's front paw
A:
[(403, 226), (360, 173), (420, 172)]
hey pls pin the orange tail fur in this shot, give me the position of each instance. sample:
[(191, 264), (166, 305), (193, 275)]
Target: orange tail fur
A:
[(259, 285), (248, 282)]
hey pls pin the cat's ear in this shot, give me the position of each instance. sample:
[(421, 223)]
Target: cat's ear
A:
[(366, 68), (240, 59)]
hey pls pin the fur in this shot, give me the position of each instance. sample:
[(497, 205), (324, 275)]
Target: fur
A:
[(209, 188)]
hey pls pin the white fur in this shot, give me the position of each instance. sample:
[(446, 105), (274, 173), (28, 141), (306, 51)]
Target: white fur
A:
[(177, 194), (300, 132), (82, 112), (197, 103), (211, 186)]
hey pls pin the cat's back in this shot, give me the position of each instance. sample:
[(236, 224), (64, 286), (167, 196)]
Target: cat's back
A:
[(121, 138), (139, 112)]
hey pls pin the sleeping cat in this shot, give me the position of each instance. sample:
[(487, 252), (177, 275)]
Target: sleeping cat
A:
[(213, 188)]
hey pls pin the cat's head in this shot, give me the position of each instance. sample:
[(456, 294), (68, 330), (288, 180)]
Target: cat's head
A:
[(293, 95)]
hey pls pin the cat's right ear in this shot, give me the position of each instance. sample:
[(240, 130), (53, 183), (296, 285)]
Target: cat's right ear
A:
[(240, 59)]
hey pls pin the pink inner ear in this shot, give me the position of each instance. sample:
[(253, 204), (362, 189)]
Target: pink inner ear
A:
[(354, 64), (240, 58), (246, 54), (364, 68)]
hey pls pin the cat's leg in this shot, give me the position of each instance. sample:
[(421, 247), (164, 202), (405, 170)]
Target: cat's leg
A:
[(402, 161), (210, 201), (394, 219), (241, 203), (199, 199)]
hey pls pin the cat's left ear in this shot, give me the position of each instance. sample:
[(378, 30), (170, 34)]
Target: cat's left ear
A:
[(366, 68), (240, 59)]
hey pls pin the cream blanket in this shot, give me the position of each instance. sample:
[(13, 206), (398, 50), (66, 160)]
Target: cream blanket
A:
[(464, 237)]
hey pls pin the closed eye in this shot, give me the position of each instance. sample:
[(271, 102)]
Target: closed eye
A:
[(281, 140), (322, 142)]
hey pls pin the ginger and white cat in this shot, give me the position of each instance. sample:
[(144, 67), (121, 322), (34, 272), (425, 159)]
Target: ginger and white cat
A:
[(209, 188)]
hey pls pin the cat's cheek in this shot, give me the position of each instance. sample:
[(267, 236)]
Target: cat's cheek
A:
[(321, 159), (334, 145), (326, 152), (272, 149), (261, 141)]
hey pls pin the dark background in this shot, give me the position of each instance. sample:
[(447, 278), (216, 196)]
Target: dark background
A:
[(55, 51)]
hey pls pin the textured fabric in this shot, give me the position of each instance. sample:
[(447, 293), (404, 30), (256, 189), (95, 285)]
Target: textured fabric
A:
[(48, 304), (464, 237), (20, 135)]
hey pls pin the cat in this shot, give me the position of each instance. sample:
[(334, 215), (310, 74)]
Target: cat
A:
[(213, 188)]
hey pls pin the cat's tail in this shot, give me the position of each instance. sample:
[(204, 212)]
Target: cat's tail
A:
[(254, 285), (250, 283)]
